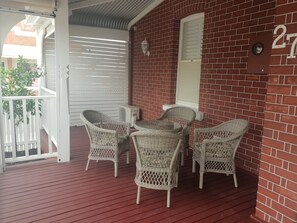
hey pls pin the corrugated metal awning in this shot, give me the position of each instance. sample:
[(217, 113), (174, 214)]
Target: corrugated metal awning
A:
[(114, 14)]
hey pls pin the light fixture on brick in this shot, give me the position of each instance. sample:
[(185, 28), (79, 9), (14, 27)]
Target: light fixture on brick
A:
[(145, 47)]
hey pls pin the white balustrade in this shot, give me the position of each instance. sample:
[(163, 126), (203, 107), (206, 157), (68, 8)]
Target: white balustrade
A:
[(22, 141)]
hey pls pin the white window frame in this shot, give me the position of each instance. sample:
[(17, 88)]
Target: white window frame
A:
[(178, 101)]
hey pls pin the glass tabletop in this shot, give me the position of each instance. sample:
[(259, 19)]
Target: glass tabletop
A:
[(158, 125)]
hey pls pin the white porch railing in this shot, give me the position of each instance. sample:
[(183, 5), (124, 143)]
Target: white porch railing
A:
[(22, 142)]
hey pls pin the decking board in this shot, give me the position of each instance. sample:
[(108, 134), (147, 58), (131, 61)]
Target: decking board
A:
[(47, 191)]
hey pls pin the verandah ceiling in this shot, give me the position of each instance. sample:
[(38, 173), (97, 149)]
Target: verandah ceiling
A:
[(114, 14)]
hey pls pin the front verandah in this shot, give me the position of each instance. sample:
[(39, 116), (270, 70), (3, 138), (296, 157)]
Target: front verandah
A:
[(46, 191)]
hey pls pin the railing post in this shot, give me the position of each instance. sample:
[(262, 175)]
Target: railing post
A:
[(25, 128), (13, 131), (49, 131), (37, 126)]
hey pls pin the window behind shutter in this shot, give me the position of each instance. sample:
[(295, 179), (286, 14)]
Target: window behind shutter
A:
[(192, 39), (189, 64)]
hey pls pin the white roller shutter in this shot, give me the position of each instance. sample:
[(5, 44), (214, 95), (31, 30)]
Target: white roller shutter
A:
[(98, 74), (192, 39)]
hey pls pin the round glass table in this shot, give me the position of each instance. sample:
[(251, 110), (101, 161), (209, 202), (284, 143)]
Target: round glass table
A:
[(158, 125)]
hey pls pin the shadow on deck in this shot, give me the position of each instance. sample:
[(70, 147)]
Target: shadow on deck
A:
[(47, 191)]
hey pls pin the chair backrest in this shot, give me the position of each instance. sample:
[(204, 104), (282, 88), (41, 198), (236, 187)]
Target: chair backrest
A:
[(183, 115), (156, 149), (232, 132), (234, 126), (97, 126), (94, 117)]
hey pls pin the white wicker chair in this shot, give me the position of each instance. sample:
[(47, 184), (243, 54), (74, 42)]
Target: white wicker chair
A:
[(157, 161), (215, 148), (184, 116), (109, 139)]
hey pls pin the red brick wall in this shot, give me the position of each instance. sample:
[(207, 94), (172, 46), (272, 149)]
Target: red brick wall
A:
[(154, 76), (11, 38), (227, 91), (277, 190)]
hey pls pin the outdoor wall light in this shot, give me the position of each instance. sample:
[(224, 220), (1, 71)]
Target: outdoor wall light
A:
[(145, 47)]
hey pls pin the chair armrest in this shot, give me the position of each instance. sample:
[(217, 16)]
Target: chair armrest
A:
[(201, 134), (102, 137), (121, 128), (220, 146)]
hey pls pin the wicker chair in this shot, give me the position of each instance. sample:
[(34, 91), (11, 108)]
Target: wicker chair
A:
[(109, 139), (157, 161), (215, 148), (184, 116)]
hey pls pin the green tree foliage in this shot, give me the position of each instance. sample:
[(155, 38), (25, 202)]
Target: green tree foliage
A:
[(15, 82)]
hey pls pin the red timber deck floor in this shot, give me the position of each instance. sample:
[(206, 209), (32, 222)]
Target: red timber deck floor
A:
[(47, 191)]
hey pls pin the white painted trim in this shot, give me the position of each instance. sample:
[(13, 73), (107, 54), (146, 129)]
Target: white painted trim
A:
[(50, 29), (32, 157), (144, 12), (39, 45), (194, 106), (27, 97), (44, 8), (6, 25), (87, 3), (43, 3), (51, 139), (25, 5), (62, 81), (53, 93), (2, 152), (192, 17)]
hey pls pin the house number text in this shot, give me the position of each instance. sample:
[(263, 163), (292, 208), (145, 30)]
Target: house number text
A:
[(277, 42)]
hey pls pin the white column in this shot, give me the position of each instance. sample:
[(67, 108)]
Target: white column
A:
[(39, 43), (2, 154), (39, 46), (6, 25), (62, 80)]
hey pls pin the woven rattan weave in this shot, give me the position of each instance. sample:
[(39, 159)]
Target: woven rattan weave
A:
[(109, 139), (157, 162), (185, 117), (215, 148)]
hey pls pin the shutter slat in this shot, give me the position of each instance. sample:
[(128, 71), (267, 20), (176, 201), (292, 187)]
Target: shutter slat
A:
[(98, 75), (192, 39)]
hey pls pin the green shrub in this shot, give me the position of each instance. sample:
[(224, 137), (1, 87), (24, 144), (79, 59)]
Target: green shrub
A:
[(15, 82)]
